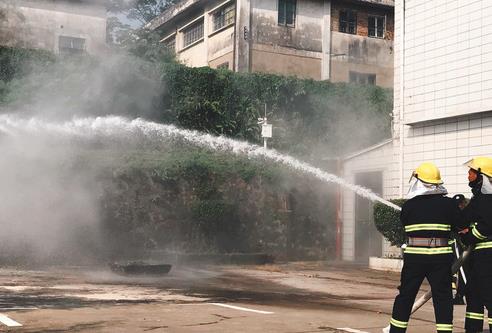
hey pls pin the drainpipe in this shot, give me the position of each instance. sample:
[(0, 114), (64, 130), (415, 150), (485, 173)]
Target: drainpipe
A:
[(402, 92), (338, 235), (234, 50)]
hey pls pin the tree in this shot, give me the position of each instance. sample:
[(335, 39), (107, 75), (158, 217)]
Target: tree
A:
[(142, 11)]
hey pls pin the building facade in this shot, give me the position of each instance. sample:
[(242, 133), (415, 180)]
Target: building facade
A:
[(338, 40), (62, 27), (442, 102)]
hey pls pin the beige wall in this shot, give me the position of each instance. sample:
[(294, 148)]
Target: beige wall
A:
[(288, 50), (304, 50), (306, 35), (220, 44), (226, 58), (39, 25), (287, 64), (214, 46), (363, 55)]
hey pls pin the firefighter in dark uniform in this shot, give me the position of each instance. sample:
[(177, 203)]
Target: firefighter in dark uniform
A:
[(428, 218), (478, 215)]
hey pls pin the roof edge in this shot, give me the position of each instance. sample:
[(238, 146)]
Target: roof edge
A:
[(367, 150)]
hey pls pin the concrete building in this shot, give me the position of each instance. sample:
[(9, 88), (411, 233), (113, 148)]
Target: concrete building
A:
[(442, 108), (61, 26), (339, 40)]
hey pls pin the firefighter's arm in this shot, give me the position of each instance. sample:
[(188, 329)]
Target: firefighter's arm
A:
[(479, 230), (456, 215)]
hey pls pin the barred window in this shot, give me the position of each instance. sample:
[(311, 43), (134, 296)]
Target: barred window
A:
[(376, 26), (362, 78), (170, 44), (287, 12), (71, 45), (348, 22), (224, 16), (193, 33)]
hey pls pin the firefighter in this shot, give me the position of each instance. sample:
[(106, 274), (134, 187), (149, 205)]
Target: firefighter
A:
[(459, 247), (428, 217), (478, 215)]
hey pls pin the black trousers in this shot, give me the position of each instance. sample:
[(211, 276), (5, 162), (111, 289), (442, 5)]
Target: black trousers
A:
[(478, 292), (440, 279)]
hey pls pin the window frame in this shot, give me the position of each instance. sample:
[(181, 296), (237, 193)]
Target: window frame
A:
[(357, 77), (346, 30), (71, 50), (284, 4), (231, 5), (376, 17), (190, 26), (165, 41)]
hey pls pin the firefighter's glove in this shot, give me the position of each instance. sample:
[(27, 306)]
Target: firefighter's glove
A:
[(460, 200), (468, 239)]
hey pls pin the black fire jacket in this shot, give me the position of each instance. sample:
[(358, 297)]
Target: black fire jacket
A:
[(430, 216)]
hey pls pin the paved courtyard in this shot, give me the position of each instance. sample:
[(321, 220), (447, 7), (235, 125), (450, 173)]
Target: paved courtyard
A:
[(293, 298)]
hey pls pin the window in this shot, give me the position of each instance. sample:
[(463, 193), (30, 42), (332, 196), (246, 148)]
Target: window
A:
[(362, 78), (348, 22), (71, 45), (170, 44), (287, 12), (376, 26), (224, 16), (193, 33)]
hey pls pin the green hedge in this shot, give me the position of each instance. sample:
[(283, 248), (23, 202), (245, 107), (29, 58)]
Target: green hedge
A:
[(16, 63), (387, 221), (309, 117)]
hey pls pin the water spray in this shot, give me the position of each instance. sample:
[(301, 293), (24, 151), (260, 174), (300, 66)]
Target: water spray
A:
[(118, 126)]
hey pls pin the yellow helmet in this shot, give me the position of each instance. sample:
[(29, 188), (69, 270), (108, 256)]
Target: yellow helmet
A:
[(481, 164), (428, 173)]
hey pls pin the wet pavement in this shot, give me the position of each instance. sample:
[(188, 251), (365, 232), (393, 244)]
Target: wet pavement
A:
[(293, 298)]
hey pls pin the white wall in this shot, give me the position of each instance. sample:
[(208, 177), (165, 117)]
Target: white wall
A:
[(447, 76), (448, 58), (382, 159)]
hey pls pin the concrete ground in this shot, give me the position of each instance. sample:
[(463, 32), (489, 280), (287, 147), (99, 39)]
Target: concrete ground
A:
[(293, 298)]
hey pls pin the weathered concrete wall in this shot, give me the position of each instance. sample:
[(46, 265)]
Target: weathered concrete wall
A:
[(226, 58), (286, 62), (194, 56), (306, 35), (288, 50), (39, 24), (363, 55), (359, 52), (214, 45), (221, 44), (143, 212)]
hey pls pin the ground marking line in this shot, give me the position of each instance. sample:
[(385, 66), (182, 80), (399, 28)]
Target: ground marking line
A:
[(348, 329), (9, 322), (241, 308)]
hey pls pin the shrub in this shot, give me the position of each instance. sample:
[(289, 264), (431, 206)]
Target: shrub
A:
[(387, 221)]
